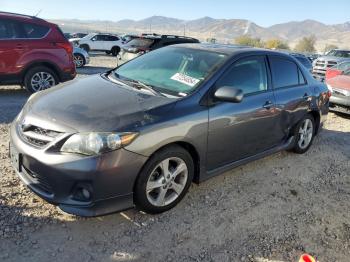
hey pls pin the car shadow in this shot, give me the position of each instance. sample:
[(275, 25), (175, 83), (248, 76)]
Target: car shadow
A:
[(218, 207), (343, 115)]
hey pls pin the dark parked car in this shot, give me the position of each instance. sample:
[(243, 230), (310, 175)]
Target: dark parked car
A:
[(303, 59), (148, 42), (172, 116), (34, 53)]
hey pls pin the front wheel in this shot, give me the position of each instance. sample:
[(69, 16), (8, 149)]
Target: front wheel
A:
[(79, 60), (164, 180), (304, 136)]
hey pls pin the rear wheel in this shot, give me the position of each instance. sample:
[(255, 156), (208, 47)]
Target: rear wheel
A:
[(164, 180), (115, 50), (40, 78), (304, 135)]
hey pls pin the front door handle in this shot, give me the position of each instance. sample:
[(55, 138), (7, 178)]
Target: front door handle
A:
[(268, 105)]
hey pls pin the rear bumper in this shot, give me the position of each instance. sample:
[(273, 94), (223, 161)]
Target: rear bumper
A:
[(59, 178), (67, 75)]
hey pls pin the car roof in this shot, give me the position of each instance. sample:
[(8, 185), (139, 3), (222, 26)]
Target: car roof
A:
[(345, 50), (22, 17), (230, 49)]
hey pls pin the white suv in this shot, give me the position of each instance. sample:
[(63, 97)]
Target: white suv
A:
[(101, 42)]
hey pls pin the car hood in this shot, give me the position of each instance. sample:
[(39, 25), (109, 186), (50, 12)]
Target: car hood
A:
[(340, 82), (94, 104)]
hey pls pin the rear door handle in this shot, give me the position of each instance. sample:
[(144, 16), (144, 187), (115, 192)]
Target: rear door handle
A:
[(19, 47), (268, 105)]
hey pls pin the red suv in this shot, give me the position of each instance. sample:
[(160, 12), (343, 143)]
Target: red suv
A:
[(33, 53)]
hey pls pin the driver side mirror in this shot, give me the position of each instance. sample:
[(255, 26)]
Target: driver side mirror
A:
[(93, 39), (229, 94)]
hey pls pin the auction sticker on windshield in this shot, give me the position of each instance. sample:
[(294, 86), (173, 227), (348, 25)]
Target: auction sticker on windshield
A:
[(187, 80)]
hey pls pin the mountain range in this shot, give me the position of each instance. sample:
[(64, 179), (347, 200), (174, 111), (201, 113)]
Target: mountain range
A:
[(224, 30)]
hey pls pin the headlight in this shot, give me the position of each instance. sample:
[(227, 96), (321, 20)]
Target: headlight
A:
[(330, 88), (132, 49), (96, 143)]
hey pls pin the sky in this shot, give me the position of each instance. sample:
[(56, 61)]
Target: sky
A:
[(262, 12)]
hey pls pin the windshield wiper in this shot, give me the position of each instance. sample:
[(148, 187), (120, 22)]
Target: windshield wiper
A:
[(139, 85)]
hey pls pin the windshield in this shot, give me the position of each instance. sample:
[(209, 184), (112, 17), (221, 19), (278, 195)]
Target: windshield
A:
[(343, 66), (339, 53), (172, 70), (140, 42), (306, 62)]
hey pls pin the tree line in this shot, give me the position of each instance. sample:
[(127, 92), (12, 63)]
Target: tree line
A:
[(306, 44)]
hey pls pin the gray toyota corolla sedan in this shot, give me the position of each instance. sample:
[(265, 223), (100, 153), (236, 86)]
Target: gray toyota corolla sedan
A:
[(141, 133)]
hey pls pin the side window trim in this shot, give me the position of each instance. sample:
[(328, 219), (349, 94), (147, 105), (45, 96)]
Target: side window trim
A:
[(267, 69)]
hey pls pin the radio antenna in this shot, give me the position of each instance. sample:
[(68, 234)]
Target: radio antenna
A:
[(38, 13)]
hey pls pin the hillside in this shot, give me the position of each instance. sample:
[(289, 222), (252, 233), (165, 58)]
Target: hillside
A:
[(225, 30)]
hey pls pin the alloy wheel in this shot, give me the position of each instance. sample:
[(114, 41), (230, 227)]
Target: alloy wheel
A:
[(167, 181), (42, 80), (78, 61), (305, 133)]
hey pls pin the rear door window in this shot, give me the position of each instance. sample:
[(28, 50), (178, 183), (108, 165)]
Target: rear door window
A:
[(10, 30), (285, 73), (34, 31)]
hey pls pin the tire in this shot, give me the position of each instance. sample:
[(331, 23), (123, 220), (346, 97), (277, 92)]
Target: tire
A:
[(34, 75), (85, 47), (79, 60), (115, 50), (152, 177), (304, 134)]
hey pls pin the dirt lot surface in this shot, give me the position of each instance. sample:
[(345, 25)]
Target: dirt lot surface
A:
[(273, 209)]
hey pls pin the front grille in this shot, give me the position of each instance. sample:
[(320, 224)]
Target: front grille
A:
[(41, 183), (37, 136), (321, 66)]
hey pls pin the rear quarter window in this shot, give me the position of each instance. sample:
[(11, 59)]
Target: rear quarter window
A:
[(35, 31)]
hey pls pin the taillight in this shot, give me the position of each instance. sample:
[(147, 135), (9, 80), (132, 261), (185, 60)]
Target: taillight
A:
[(66, 46)]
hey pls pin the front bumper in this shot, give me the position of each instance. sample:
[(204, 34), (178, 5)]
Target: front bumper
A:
[(58, 178)]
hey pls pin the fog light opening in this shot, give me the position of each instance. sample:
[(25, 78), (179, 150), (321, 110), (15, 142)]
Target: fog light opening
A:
[(82, 193)]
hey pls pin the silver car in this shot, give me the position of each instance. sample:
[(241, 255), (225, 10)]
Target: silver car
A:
[(81, 57)]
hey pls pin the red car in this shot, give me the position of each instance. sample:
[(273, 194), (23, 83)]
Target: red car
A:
[(337, 70), (33, 53), (340, 88)]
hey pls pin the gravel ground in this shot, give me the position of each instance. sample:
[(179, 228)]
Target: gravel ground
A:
[(273, 209)]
